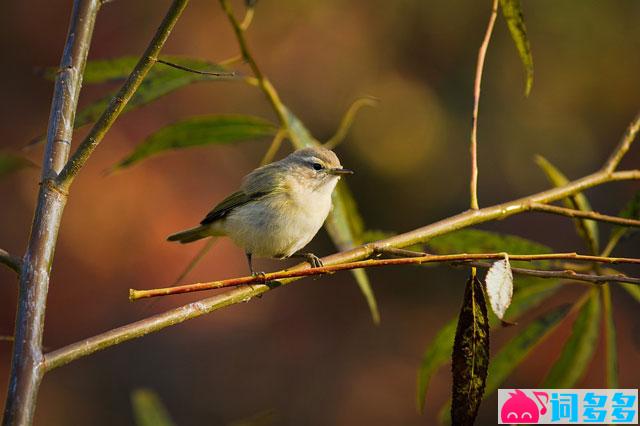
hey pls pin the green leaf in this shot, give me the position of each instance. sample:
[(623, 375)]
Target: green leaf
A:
[(518, 348), (512, 12), (630, 211), (198, 131), (436, 355), (529, 292), (10, 163), (161, 80), (344, 223), (632, 289), (587, 229), (611, 346), (579, 348), (148, 409), (470, 359)]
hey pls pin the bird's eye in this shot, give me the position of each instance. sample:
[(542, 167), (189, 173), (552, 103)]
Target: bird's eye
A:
[(317, 166)]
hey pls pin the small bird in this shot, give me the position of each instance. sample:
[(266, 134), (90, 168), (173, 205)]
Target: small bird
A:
[(279, 208)]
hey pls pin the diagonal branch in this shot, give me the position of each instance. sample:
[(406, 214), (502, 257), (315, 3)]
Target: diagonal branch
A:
[(178, 315), (623, 146), (370, 263), (120, 100), (12, 262), (563, 211)]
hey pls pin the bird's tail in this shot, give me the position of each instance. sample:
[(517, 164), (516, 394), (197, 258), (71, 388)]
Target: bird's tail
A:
[(191, 235)]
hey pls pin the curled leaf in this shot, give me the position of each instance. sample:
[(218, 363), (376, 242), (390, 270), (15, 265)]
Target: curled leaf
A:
[(512, 12), (470, 360), (499, 282), (198, 131)]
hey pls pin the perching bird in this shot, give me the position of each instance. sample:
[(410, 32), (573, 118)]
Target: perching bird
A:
[(279, 208)]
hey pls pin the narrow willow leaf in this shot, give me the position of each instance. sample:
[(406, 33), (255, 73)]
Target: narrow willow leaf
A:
[(587, 229), (470, 359), (611, 346), (530, 292), (579, 348), (633, 290), (436, 355), (518, 348), (161, 80), (630, 211), (499, 282), (477, 241), (512, 12), (148, 409), (344, 223), (10, 163), (198, 131)]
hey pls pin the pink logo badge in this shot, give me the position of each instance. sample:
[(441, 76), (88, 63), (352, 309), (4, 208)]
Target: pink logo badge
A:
[(519, 408)]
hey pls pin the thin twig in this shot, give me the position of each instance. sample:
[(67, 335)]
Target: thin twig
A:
[(120, 100), (12, 262), (195, 71), (370, 263), (563, 211), (347, 120), (201, 307), (26, 366), (482, 52), (274, 147), (264, 84), (566, 274), (623, 146)]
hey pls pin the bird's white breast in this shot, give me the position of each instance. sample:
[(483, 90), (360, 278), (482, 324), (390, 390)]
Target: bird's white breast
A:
[(282, 223)]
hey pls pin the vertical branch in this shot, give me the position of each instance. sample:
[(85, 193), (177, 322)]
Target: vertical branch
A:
[(26, 367), (476, 102)]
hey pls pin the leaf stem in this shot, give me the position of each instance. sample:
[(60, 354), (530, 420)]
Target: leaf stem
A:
[(347, 120), (482, 52)]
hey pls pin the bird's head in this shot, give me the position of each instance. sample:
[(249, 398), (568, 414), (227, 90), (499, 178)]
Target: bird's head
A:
[(315, 167)]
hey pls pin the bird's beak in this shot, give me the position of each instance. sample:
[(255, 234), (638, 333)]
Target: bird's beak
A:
[(339, 171)]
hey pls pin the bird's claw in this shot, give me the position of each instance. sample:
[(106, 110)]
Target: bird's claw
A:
[(314, 261), (260, 275)]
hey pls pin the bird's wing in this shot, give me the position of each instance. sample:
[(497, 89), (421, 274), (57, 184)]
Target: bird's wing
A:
[(226, 206), (257, 184)]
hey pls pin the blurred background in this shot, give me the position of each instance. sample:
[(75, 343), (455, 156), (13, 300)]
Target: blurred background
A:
[(309, 354)]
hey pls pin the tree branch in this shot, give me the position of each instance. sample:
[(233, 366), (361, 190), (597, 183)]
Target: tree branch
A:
[(26, 366), (12, 262), (623, 146), (347, 120), (482, 52), (120, 100), (562, 211), (370, 263)]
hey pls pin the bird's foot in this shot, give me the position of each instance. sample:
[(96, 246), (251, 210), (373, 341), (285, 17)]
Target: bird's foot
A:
[(261, 275), (313, 260)]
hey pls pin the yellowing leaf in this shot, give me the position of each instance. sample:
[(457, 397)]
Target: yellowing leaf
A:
[(512, 12), (148, 409), (499, 282), (344, 223), (587, 229)]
